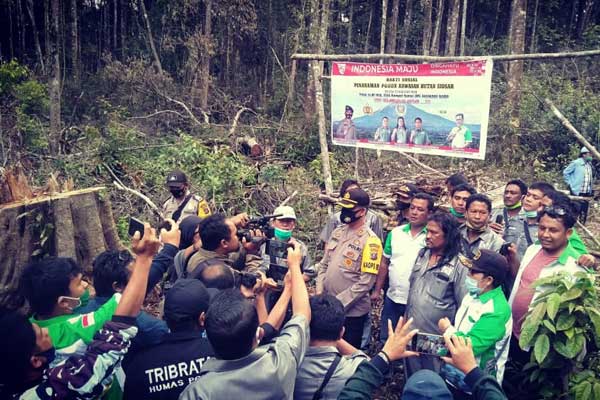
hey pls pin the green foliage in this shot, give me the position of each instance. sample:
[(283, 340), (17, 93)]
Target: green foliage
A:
[(11, 74), (561, 320)]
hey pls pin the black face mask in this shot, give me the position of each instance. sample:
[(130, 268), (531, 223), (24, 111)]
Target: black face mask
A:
[(348, 216), (177, 193)]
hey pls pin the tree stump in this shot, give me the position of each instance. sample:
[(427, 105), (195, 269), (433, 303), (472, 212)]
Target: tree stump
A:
[(77, 224)]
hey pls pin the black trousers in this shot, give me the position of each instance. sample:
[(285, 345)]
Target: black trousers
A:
[(583, 206), (354, 330)]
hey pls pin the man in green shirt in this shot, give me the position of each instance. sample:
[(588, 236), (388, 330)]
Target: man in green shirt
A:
[(418, 135), (460, 136)]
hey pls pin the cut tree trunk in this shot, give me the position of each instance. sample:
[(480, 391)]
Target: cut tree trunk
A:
[(75, 224)]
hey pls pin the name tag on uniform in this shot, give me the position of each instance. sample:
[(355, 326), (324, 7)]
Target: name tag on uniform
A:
[(371, 257), (447, 270)]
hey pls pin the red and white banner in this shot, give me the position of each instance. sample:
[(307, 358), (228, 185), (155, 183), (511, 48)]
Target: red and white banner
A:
[(439, 109)]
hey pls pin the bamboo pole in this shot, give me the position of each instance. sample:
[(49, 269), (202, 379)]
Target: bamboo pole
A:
[(410, 57)]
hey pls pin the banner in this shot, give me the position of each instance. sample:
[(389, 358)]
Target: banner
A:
[(439, 109)]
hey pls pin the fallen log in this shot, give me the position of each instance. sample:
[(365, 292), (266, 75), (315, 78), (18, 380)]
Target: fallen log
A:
[(76, 224)]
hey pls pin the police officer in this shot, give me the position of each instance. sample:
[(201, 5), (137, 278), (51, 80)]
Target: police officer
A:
[(182, 202), (349, 266)]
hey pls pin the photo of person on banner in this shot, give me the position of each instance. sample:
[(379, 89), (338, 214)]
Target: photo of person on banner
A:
[(460, 136), (419, 135), (383, 133), (346, 130), (399, 134)]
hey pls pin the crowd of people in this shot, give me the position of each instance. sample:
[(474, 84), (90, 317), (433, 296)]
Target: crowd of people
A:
[(237, 320)]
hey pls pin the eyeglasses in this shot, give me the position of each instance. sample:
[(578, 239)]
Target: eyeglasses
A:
[(555, 211)]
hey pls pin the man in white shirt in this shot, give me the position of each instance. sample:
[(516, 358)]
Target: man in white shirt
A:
[(401, 248)]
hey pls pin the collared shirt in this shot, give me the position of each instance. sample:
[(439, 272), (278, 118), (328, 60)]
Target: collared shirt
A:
[(317, 361), (461, 136), (349, 268), (588, 177), (512, 224), (402, 249), (488, 239), (566, 261), (196, 205), (435, 292), (268, 372), (487, 321), (346, 130), (419, 136), (383, 134), (164, 370)]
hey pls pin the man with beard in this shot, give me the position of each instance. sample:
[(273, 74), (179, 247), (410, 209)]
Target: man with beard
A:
[(182, 202), (436, 284), (350, 264)]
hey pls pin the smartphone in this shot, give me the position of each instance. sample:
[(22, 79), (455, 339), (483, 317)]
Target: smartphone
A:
[(429, 343), (135, 225), (499, 219)]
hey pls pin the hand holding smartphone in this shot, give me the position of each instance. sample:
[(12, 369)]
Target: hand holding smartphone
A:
[(429, 344), (135, 225)]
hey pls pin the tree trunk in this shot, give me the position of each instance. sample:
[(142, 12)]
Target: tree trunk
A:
[(384, 6), (47, 28), (452, 27), (21, 28), (439, 16), (532, 48), (123, 28), (11, 42), (463, 27), (150, 37), (313, 45), (115, 27), (205, 56), (515, 68), (75, 224), (75, 60), (349, 27), (427, 13), (585, 10), (55, 79), (406, 26), (392, 37), (368, 35), (36, 35), (496, 19)]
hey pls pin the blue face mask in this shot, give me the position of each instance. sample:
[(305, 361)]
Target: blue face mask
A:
[(531, 214), (472, 288)]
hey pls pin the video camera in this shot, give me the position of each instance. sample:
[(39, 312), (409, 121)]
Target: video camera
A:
[(261, 223)]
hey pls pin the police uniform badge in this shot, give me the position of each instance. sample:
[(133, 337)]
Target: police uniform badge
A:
[(371, 257)]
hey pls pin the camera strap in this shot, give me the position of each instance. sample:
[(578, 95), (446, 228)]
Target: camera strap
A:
[(328, 375), (179, 210), (527, 233)]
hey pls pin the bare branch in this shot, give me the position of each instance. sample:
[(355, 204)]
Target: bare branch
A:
[(409, 57)]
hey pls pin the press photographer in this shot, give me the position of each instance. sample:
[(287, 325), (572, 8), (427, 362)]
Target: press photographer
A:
[(221, 244), (274, 250)]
